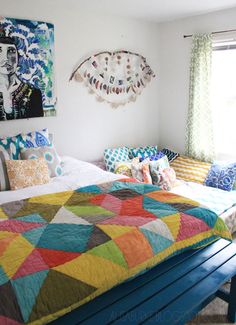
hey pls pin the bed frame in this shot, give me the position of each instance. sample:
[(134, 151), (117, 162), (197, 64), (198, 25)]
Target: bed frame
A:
[(173, 292)]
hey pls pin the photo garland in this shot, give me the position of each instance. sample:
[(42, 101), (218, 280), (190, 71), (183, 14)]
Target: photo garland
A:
[(115, 77)]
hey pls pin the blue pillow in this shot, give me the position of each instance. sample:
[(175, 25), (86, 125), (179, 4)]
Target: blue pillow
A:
[(222, 176), (112, 156), (142, 152), (158, 156), (35, 139)]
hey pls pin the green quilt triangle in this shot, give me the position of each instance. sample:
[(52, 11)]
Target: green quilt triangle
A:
[(109, 251)]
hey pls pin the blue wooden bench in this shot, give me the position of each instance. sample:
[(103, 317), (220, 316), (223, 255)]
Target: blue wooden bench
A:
[(173, 292)]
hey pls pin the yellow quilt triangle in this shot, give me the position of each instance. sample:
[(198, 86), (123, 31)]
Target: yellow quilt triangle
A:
[(114, 231), (55, 199), (93, 270), (173, 223)]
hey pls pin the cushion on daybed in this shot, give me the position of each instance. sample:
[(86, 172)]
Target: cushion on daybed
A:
[(143, 152), (112, 156), (190, 170), (222, 176)]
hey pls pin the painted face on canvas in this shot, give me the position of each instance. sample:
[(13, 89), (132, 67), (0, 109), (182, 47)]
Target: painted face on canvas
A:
[(8, 58)]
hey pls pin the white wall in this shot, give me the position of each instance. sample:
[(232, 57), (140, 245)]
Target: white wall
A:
[(83, 127), (174, 55)]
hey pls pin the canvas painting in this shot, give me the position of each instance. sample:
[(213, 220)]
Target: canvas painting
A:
[(27, 87)]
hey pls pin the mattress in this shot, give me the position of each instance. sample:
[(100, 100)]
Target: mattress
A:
[(223, 203), (76, 174)]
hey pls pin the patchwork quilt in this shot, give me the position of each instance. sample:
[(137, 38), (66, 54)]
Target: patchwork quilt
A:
[(61, 250)]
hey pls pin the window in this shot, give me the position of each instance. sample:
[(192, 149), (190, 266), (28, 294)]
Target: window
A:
[(224, 99)]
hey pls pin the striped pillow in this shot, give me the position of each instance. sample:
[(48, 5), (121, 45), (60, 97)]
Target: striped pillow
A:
[(190, 170), (4, 181)]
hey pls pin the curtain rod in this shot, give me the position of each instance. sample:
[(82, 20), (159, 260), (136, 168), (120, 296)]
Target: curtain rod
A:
[(219, 32)]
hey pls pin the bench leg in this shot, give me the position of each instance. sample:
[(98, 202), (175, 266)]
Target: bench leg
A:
[(232, 301)]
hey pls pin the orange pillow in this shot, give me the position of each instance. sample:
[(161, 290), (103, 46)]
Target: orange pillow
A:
[(25, 173)]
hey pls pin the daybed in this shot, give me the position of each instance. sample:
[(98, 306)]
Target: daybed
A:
[(67, 242)]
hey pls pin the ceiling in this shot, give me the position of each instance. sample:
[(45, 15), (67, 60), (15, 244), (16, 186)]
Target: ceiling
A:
[(156, 10)]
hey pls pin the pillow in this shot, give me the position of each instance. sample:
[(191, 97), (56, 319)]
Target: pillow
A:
[(137, 169), (112, 156), (142, 152), (156, 167), (171, 155), (123, 168), (14, 144), (158, 156), (222, 176), (35, 139), (49, 154), (24, 173), (11, 145), (190, 170), (4, 181), (146, 173), (167, 179)]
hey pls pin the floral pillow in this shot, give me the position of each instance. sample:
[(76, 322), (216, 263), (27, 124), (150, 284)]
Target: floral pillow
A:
[(222, 176), (123, 168), (112, 156), (143, 152), (137, 169)]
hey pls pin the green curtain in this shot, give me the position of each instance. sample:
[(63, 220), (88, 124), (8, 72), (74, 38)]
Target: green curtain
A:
[(199, 135)]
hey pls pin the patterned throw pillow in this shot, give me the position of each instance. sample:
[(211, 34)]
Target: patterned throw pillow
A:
[(222, 176), (25, 173), (11, 145), (171, 155), (49, 154), (35, 139), (112, 156), (158, 156), (146, 174), (4, 182), (137, 169), (123, 168), (143, 152), (190, 170), (167, 179), (156, 167)]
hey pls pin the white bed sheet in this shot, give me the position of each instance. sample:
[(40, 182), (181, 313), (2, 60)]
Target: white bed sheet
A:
[(76, 174)]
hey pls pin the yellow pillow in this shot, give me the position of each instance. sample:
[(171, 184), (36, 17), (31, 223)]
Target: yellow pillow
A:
[(190, 170), (25, 173)]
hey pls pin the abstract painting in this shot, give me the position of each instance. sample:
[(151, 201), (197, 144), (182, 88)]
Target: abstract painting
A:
[(27, 86)]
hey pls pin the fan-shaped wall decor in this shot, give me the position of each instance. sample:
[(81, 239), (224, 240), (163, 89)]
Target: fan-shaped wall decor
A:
[(115, 77)]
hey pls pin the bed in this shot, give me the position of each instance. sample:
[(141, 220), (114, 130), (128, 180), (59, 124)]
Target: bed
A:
[(67, 242)]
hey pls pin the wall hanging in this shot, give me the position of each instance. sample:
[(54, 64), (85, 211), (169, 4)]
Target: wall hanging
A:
[(26, 69), (115, 77)]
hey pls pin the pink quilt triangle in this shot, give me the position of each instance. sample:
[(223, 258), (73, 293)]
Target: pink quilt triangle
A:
[(32, 264), (190, 226)]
